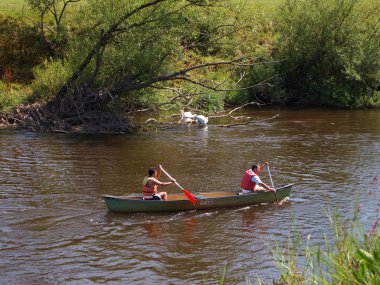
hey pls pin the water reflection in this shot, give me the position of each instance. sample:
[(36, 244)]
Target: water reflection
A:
[(190, 225), (152, 229), (155, 226)]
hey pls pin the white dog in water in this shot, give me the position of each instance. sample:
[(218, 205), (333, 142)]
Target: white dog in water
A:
[(201, 120), (189, 118)]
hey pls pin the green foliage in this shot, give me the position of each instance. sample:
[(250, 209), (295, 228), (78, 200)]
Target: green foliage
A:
[(21, 48), (50, 76), (12, 96), (355, 258), (52, 16), (330, 51), (264, 81), (157, 47), (140, 99), (309, 52), (207, 99), (14, 8), (209, 32), (152, 43), (258, 39), (210, 102)]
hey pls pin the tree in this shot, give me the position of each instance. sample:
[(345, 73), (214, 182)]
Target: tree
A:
[(123, 47), (135, 46), (55, 9), (331, 51)]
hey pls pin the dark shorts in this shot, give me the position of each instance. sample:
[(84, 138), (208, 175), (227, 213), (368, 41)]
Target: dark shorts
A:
[(156, 197)]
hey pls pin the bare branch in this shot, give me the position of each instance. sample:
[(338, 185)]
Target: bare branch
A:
[(235, 109), (65, 3), (102, 41), (178, 75), (247, 123)]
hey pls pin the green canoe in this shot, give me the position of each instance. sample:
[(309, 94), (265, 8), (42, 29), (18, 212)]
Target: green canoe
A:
[(179, 202)]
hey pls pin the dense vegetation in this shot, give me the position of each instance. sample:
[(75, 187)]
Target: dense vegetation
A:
[(353, 258), (331, 51), (117, 56)]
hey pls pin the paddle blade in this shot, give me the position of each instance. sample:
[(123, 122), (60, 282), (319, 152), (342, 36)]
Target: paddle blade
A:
[(189, 196)]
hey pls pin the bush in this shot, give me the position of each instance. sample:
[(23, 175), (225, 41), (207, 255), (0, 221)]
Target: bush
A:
[(265, 82), (330, 51), (257, 39), (50, 76), (21, 48)]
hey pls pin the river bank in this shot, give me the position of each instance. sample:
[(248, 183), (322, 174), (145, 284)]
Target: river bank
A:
[(38, 118)]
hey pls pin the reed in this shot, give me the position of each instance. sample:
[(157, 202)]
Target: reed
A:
[(352, 258)]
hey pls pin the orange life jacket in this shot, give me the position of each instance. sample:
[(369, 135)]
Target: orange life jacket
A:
[(246, 182), (147, 191)]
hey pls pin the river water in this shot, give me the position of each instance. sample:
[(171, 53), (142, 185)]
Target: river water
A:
[(55, 228)]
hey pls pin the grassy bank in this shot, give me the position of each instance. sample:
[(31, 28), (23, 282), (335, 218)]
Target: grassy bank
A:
[(21, 49), (352, 258), (15, 8), (303, 53)]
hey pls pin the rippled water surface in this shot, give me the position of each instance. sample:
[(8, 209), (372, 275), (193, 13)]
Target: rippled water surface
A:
[(55, 229)]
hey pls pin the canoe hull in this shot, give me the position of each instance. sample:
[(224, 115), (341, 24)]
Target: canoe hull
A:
[(128, 204)]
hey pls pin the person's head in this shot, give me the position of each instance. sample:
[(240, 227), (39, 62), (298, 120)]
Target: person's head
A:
[(152, 172), (255, 168)]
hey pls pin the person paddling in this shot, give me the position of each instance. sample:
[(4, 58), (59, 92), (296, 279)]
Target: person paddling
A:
[(252, 182), (151, 183)]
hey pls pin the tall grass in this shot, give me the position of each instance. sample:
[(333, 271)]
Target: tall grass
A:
[(15, 8), (352, 258), (12, 95)]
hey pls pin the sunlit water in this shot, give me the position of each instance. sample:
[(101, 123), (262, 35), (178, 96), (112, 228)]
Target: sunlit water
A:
[(55, 229)]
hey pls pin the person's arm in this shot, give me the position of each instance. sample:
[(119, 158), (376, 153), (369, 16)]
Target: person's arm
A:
[(262, 184), (262, 166), (159, 171), (159, 167), (159, 183), (258, 181)]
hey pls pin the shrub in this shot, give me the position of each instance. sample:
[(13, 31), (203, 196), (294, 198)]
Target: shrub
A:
[(330, 51), (21, 48), (50, 76)]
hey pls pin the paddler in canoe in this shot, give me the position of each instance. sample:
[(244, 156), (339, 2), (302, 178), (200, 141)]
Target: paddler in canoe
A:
[(201, 201), (151, 183), (252, 182)]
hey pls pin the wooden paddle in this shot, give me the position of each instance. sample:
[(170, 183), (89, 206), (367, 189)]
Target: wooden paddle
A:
[(186, 192), (270, 176)]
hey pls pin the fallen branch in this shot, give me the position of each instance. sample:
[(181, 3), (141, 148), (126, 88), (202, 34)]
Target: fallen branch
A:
[(247, 123), (235, 109)]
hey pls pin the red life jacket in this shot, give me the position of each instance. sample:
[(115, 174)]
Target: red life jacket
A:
[(246, 182), (147, 191)]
